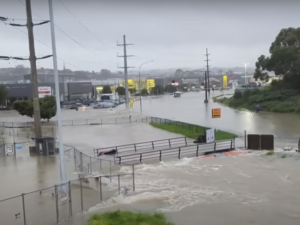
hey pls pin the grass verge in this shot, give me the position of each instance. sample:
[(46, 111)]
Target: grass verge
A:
[(128, 218), (191, 131)]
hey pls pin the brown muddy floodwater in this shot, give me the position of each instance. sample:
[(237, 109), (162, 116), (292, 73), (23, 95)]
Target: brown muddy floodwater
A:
[(253, 189)]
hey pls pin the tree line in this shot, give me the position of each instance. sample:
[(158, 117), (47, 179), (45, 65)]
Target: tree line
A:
[(284, 60)]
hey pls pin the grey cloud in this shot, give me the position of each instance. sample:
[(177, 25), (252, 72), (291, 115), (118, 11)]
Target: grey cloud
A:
[(173, 33)]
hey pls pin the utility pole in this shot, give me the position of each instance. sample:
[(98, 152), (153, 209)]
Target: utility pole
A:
[(32, 58), (34, 76), (125, 70), (207, 68), (205, 86)]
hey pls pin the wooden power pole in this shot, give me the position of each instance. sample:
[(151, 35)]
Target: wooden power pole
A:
[(34, 76)]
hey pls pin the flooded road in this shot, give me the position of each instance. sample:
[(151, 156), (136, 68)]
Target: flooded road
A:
[(190, 108), (251, 189)]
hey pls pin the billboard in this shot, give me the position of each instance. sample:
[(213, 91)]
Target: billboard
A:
[(225, 81), (44, 91), (150, 84), (131, 84)]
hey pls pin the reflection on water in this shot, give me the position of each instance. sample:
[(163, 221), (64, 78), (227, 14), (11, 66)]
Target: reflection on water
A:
[(190, 108)]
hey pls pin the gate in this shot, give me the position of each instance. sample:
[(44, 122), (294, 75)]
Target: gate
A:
[(253, 141), (260, 142), (266, 142)]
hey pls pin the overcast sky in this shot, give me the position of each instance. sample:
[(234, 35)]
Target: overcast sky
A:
[(174, 34)]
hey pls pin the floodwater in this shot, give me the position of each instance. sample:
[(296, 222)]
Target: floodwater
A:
[(191, 108), (250, 189)]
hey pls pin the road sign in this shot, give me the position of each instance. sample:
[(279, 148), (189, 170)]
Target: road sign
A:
[(210, 135), (9, 150), (19, 147), (216, 113)]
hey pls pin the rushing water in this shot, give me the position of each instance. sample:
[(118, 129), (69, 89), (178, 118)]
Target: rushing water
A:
[(249, 189)]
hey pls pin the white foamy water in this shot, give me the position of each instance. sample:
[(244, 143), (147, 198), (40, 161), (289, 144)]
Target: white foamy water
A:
[(245, 179)]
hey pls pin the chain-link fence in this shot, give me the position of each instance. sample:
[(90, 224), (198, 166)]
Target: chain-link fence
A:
[(61, 202), (79, 122)]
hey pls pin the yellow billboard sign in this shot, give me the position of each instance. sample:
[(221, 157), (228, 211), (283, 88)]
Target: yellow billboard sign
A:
[(150, 84), (225, 81), (131, 83)]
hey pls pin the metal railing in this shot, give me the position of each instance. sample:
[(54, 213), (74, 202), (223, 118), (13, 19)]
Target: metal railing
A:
[(177, 152), (147, 145), (82, 122), (61, 202)]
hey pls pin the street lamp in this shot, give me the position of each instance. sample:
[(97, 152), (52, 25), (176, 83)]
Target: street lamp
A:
[(140, 84), (246, 73)]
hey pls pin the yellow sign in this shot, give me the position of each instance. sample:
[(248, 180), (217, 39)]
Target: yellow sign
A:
[(131, 103), (216, 113), (150, 84), (99, 89), (225, 81), (131, 84)]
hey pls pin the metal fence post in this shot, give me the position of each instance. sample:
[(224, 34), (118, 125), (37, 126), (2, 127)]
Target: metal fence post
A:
[(91, 165), (81, 195), (81, 163), (245, 139), (56, 204), (100, 188), (133, 178), (119, 184), (24, 211), (110, 171), (70, 201)]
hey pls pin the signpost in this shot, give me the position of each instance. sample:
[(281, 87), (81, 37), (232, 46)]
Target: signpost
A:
[(44, 91), (19, 147), (210, 135), (216, 113)]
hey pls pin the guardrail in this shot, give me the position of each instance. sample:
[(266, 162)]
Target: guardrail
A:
[(148, 145), (179, 152)]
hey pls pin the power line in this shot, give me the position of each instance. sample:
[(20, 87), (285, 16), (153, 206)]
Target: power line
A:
[(82, 23), (69, 36)]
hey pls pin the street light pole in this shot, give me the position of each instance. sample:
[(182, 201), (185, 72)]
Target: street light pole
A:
[(141, 111), (246, 73), (63, 174)]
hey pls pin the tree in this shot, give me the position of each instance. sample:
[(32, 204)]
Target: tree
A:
[(3, 94), (128, 218), (106, 90), (47, 106), (120, 90), (284, 59), (179, 73), (144, 92), (170, 88), (132, 91)]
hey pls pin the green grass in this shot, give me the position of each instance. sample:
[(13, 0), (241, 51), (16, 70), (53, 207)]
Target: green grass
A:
[(270, 153), (280, 101), (190, 130), (128, 218)]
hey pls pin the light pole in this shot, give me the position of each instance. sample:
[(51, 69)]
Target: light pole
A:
[(63, 175), (140, 84), (246, 73)]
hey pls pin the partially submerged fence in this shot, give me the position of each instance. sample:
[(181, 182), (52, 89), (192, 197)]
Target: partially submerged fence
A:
[(61, 202), (78, 122), (146, 146), (176, 152)]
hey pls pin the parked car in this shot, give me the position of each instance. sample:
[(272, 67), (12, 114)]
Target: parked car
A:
[(104, 105)]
